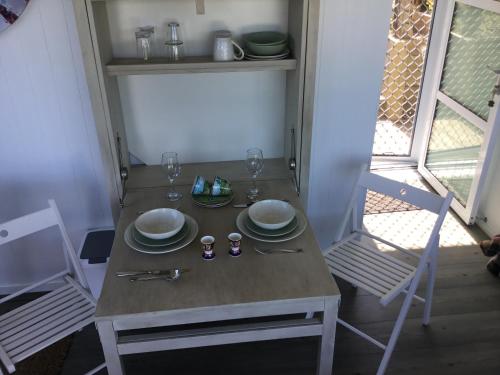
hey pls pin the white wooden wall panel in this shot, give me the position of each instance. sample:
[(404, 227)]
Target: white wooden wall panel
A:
[(48, 145), (204, 117), (352, 45)]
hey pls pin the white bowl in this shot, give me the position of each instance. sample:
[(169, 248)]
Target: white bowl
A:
[(271, 213), (160, 223)]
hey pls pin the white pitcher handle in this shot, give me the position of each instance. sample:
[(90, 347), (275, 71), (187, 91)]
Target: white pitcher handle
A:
[(242, 53)]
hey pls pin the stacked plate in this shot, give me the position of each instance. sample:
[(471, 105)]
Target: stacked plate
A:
[(266, 45), (161, 231), (211, 201), (249, 223), (281, 56)]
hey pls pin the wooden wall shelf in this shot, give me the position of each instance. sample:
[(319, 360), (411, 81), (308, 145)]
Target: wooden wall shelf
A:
[(205, 64)]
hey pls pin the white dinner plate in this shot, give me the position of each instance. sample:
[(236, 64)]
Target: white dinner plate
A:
[(301, 227), (132, 243), (252, 227), (159, 243)]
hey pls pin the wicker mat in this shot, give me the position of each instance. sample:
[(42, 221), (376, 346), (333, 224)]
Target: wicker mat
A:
[(49, 361)]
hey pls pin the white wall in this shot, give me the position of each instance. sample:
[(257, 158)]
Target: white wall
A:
[(48, 144), (489, 206), (352, 45)]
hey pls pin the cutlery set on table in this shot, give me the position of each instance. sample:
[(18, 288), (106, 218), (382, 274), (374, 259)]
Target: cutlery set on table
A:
[(166, 275)]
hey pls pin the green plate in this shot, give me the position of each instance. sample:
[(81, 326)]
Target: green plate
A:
[(268, 232), (212, 202), (143, 240)]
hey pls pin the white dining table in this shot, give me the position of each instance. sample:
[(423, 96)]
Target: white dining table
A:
[(292, 295)]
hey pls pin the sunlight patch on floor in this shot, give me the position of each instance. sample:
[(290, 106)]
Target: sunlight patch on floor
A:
[(411, 229)]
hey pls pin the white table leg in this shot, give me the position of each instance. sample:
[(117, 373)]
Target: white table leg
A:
[(108, 337), (327, 343)]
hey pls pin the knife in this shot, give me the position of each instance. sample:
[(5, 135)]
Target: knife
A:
[(245, 205), (150, 272)]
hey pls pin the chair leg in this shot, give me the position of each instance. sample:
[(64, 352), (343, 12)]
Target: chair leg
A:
[(431, 277), (97, 369), (395, 334)]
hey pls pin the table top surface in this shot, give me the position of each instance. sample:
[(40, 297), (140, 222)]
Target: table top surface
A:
[(222, 282)]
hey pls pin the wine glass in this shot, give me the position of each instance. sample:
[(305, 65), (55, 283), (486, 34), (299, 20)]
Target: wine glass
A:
[(172, 168), (254, 163)]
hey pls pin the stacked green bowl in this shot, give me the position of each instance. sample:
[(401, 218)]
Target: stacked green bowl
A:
[(266, 43)]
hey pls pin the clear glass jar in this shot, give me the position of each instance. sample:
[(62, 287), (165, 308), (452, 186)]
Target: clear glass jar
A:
[(144, 44), (174, 44)]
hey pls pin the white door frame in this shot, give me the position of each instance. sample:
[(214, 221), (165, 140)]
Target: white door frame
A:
[(429, 98)]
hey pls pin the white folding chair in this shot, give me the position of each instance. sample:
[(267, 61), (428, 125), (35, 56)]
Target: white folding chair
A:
[(57, 314), (357, 260)]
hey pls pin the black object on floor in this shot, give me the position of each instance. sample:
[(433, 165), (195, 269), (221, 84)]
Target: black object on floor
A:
[(97, 246)]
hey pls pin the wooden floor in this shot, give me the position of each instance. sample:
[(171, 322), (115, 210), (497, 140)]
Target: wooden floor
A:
[(464, 336)]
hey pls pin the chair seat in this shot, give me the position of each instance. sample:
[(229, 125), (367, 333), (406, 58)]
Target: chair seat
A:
[(40, 323), (370, 269)]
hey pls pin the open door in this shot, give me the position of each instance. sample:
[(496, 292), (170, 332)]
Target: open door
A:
[(462, 120)]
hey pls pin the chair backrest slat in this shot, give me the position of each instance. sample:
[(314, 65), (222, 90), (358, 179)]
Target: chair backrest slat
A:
[(37, 221), (28, 224), (404, 192)]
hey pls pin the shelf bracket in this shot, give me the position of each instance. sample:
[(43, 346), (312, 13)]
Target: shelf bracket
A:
[(200, 6)]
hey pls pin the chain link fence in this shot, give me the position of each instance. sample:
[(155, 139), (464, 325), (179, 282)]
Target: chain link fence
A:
[(405, 60)]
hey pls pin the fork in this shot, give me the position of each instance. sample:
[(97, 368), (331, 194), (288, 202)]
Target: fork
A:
[(271, 251)]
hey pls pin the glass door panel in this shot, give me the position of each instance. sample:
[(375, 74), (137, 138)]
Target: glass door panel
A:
[(473, 49), (463, 125), (453, 151)]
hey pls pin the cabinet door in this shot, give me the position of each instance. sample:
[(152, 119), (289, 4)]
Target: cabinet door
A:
[(91, 18)]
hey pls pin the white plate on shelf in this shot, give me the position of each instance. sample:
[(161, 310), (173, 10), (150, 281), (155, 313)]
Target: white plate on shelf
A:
[(301, 227), (191, 235)]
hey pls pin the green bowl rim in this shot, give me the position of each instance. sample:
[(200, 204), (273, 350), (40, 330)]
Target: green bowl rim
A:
[(284, 39)]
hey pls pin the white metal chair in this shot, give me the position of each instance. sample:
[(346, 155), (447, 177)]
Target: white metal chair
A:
[(357, 260), (57, 314)]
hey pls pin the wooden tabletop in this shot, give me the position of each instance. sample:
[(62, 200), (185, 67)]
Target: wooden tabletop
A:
[(223, 281)]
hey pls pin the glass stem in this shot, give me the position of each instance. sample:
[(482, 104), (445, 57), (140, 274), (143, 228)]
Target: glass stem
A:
[(172, 187), (255, 183)]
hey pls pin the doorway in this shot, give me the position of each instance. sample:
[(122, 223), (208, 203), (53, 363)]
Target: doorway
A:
[(450, 122)]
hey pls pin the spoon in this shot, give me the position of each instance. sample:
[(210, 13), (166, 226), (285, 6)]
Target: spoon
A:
[(175, 274)]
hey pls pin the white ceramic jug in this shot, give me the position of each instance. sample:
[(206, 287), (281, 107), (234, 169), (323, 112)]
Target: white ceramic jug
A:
[(223, 47)]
